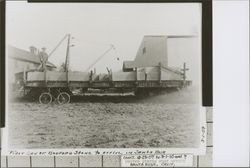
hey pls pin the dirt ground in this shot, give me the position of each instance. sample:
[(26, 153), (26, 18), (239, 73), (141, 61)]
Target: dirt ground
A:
[(169, 120)]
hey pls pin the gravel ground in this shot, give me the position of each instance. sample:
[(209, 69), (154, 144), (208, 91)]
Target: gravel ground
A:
[(158, 121)]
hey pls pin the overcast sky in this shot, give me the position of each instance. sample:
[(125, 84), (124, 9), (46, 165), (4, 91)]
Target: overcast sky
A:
[(96, 26)]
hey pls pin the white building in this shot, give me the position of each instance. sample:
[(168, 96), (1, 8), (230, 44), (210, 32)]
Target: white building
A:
[(20, 60)]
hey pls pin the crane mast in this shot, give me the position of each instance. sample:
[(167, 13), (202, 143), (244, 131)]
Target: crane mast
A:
[(67, 55)]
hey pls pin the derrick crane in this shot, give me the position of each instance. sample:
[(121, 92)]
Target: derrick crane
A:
[(100, 57)]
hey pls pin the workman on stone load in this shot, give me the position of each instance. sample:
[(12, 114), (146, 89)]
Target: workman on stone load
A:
[(43, 56)]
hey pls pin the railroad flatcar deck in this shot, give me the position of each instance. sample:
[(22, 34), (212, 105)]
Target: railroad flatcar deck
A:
[(109, 84), (55, 85)]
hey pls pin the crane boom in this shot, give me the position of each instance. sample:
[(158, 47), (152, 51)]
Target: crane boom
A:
[(60, 42), (99, 58)]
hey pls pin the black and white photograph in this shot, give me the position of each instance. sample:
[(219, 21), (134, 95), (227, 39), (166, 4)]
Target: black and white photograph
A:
[(113, 76)]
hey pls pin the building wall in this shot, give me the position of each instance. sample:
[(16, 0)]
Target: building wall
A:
[(16, 66), (152, 50)]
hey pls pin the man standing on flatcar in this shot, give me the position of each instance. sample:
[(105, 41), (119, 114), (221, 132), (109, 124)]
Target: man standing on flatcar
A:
[(43, 56)]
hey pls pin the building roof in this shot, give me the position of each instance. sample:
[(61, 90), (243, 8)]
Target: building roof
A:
[(172, 36), (25, 56)]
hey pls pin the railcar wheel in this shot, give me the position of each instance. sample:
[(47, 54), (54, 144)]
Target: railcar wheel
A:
[(63, 98), (45, 98)]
